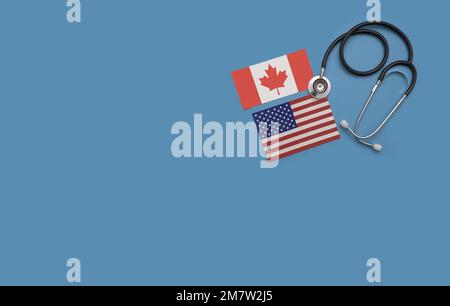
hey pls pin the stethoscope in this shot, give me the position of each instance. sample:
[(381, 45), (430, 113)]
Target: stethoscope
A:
[(320, 87)]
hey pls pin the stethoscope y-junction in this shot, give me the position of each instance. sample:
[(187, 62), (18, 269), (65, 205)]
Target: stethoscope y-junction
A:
[(320, 86)]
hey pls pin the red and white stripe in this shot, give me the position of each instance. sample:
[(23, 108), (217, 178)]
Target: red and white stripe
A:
[(315, 126)]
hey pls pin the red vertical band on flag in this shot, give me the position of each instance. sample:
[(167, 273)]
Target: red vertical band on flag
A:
[(246, 88), (301, 68)]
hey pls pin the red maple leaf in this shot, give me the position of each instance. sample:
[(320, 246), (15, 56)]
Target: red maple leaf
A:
[(274, 80)]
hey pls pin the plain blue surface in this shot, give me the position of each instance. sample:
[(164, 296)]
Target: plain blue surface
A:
[(86, 169)]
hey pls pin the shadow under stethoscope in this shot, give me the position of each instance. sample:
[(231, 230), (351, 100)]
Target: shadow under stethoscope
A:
[(403, 76)]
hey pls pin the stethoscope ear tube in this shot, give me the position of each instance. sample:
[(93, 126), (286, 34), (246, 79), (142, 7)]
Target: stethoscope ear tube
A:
[(355, 132)]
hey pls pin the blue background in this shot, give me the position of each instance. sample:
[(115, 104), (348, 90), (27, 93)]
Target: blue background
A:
[(86, 169)]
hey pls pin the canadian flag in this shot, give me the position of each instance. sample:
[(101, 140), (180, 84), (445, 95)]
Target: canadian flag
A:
[(274, 79)]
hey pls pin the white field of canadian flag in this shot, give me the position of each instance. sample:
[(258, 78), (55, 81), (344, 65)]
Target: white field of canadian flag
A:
[(274, 79)]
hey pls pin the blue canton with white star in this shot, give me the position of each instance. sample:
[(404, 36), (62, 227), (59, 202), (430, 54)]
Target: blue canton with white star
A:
[(275, 120)]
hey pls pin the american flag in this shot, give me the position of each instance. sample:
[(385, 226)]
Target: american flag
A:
[(296, 126)]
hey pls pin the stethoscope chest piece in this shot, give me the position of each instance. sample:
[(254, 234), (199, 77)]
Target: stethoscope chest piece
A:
[(319, 87)]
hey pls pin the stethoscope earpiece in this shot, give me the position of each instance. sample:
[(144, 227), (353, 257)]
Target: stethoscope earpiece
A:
[(345, 125)]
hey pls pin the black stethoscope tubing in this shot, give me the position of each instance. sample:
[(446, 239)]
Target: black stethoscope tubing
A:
[(359, 30)]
